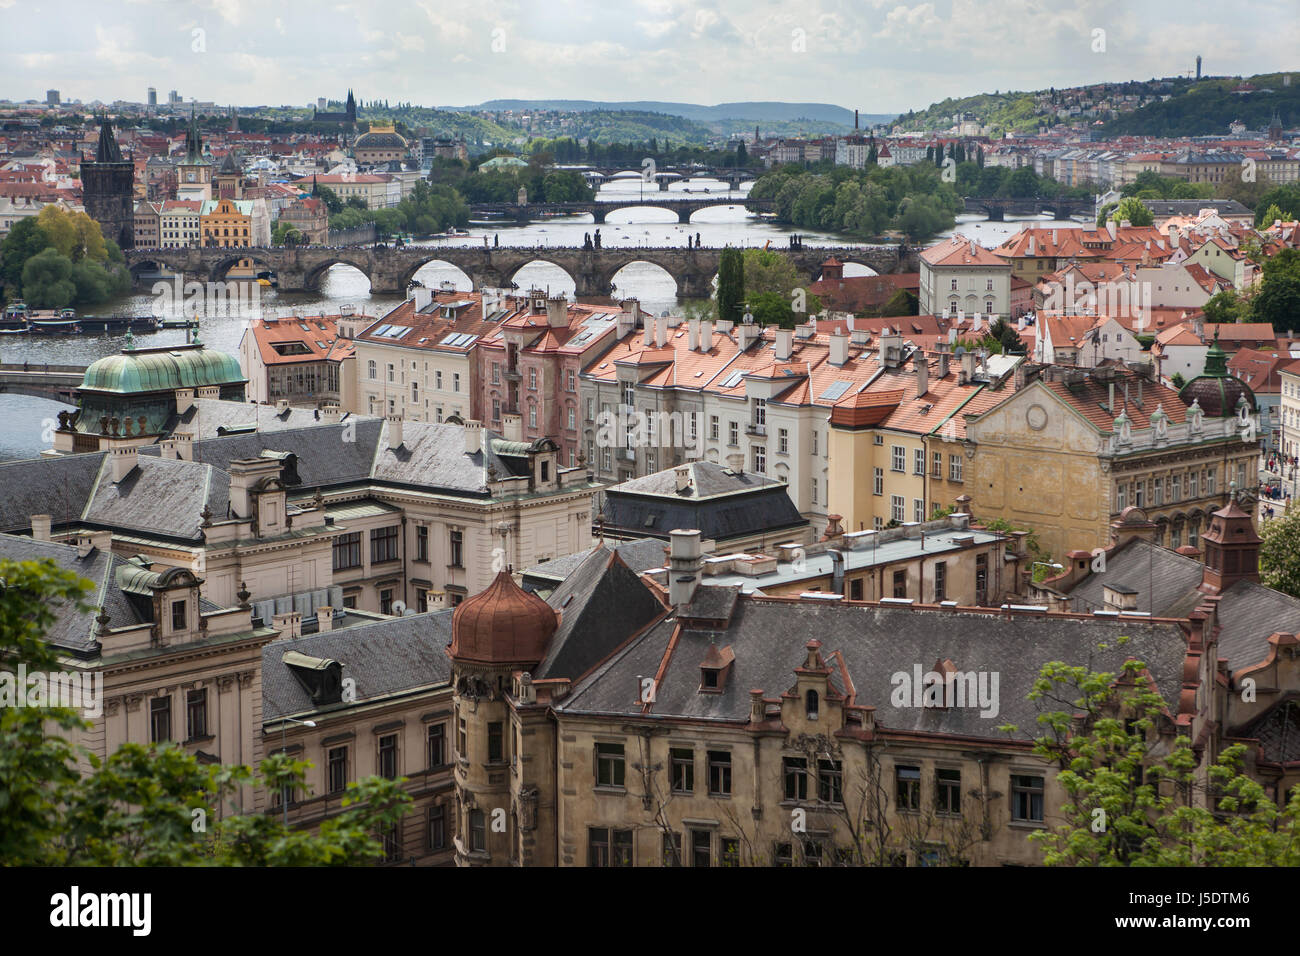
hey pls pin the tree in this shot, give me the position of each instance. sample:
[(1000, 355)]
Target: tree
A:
[(1278, 298), (1178, 380), (1227, 305), (137, 807), (1279, 554), (286, 234), (731, 284), (1130, 209), (330, 198), (769, 271), (47, 280), (742, 154), (1134, 798), (1007, 337), (24, 241)]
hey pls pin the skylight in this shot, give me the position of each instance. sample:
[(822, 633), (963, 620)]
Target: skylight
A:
[(836, 391), (733, 379)]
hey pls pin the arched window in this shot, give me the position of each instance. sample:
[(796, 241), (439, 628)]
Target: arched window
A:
[(810, 704)]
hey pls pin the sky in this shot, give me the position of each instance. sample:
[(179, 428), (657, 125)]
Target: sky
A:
[(879, 56)]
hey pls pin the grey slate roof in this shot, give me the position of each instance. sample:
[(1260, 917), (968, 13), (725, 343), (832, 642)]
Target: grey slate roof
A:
[(706, 481), (1166, 583), (639, 554), (59, 487), (434, 455), (601, 604), (208, 417), (159, 496), (719, 518), (768, 637), (326, 454), (386, 657), (74, 629)]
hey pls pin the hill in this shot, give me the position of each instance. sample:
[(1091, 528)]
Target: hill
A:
[(1206, 108), (749, 111)]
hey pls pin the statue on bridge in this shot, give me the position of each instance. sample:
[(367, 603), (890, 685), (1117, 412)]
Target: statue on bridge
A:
[(597, 239)]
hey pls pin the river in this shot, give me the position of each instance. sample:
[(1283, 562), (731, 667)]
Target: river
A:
[(29, 420)]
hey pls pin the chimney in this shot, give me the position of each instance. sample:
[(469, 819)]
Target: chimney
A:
[(122, 459), (626, 324), (706, 335), (423, 298), (942, 349), (633, 308), (324, 619), (747, 332), (661, 331), (922, 373), (330, 414), (281, 406), (757, 708), (683, 475), (839, 348), (512, 426), (967, 373), (245, 475), (41, 525), (784, 344), (684, 567), (213, 392), (394, 430), (184, 400), (473, 437), (648, 338), (891, 350), (693, 335), (859, 337), (288, 624), (557, 311), (94, 541)]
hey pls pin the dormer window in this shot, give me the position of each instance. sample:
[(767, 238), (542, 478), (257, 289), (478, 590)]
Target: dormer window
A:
[(715, 668), (810, 704), (179, 620)]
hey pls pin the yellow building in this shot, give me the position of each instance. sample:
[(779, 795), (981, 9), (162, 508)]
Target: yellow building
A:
[(228, 224), (1068, 452)]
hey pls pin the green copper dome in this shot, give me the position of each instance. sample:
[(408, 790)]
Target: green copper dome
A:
[(160, 370), (1215, 389)]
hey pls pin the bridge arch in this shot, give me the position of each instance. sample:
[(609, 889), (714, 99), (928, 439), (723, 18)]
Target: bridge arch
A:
[(219, 268), (138, 268), (534, 273), (315, 276), (449, 269), (642, 286)]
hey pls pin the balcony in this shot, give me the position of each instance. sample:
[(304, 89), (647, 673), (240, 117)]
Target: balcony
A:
[(625, 454), (755, 429), (513, 375)]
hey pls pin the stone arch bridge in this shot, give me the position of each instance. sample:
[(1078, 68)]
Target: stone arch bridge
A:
[(390, 271), (684, 207)]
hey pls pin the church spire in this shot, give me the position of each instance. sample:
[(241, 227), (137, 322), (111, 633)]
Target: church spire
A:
[(107, 150)]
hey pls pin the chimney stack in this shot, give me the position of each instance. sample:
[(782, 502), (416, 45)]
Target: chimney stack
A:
[(661, 331), (967, 374), (394, 430), (330, 414), (693, 335), (557, 311), (839, 348), (784, 344), (41, 527), (648, 338), (683, 474), (324, 619), (423, 298), (942, 349), (684, 567), (922, 373), (122, 459), (512, 426), (706, 335), (184, 400), (473, 437)]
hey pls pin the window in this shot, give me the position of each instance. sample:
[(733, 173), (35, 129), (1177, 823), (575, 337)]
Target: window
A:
[(477, 831), (672, 849), (196, 714), (607, 847), (940, 581), (954, 467), (918, 461), (701, 848), (719, 773), (651, 464), (760, 411), (918, 509), (760, 459), (898, 455), (573, 418), (947, 791), (532, 379), (462, 740), (160, 719), (415, 392), (386, 601), (438, 827), (953, 286), (1194, 478), (496, 742), (629, 394), (713, 427), (496, 373), (388, 756), (372, 370), (783, 441), (783, 854), (422, 542), (591, 409), (572, 381), (814, 441), (814, 491), (733, 433), (455, 381), (897, 508), (1121, 497), (392, 843), (1211, 480), (1026, 798), (730, 852), (390, 372), (683, 770), (830, 781), (900, 584), (337, 769), (532, 415), (936, 465), (609, 765), (1140, 494), (855, 589), (457, 541), (907, 782), (796, 777), (383, 544), (496, 410), (437, 746), (1157, 491)]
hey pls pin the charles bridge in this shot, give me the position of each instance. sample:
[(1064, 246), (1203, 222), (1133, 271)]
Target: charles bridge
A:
[(599, 209), (390, 271), (998, 209)]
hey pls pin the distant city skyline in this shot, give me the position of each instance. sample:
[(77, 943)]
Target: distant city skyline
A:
[(878, 56)]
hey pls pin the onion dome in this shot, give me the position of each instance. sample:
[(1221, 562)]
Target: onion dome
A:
[(503, 624), (1217, 392)]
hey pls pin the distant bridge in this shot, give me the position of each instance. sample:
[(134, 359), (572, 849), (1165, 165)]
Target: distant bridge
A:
[(390, 271), (663, 175), (58, 382), (527, 212), (998, 209)]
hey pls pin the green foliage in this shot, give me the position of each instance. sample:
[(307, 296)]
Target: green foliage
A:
[(1133, 796), (286, 234), (24, 241), (731, 284), (1227, 305), (1280, 203), (1206, 107), (430, 208), (1130, 209), (330, 198), (144, 806), (1279, 554), (1278, 298), (47, 281), (1178, 380), (1151, 185), (59, 259)]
